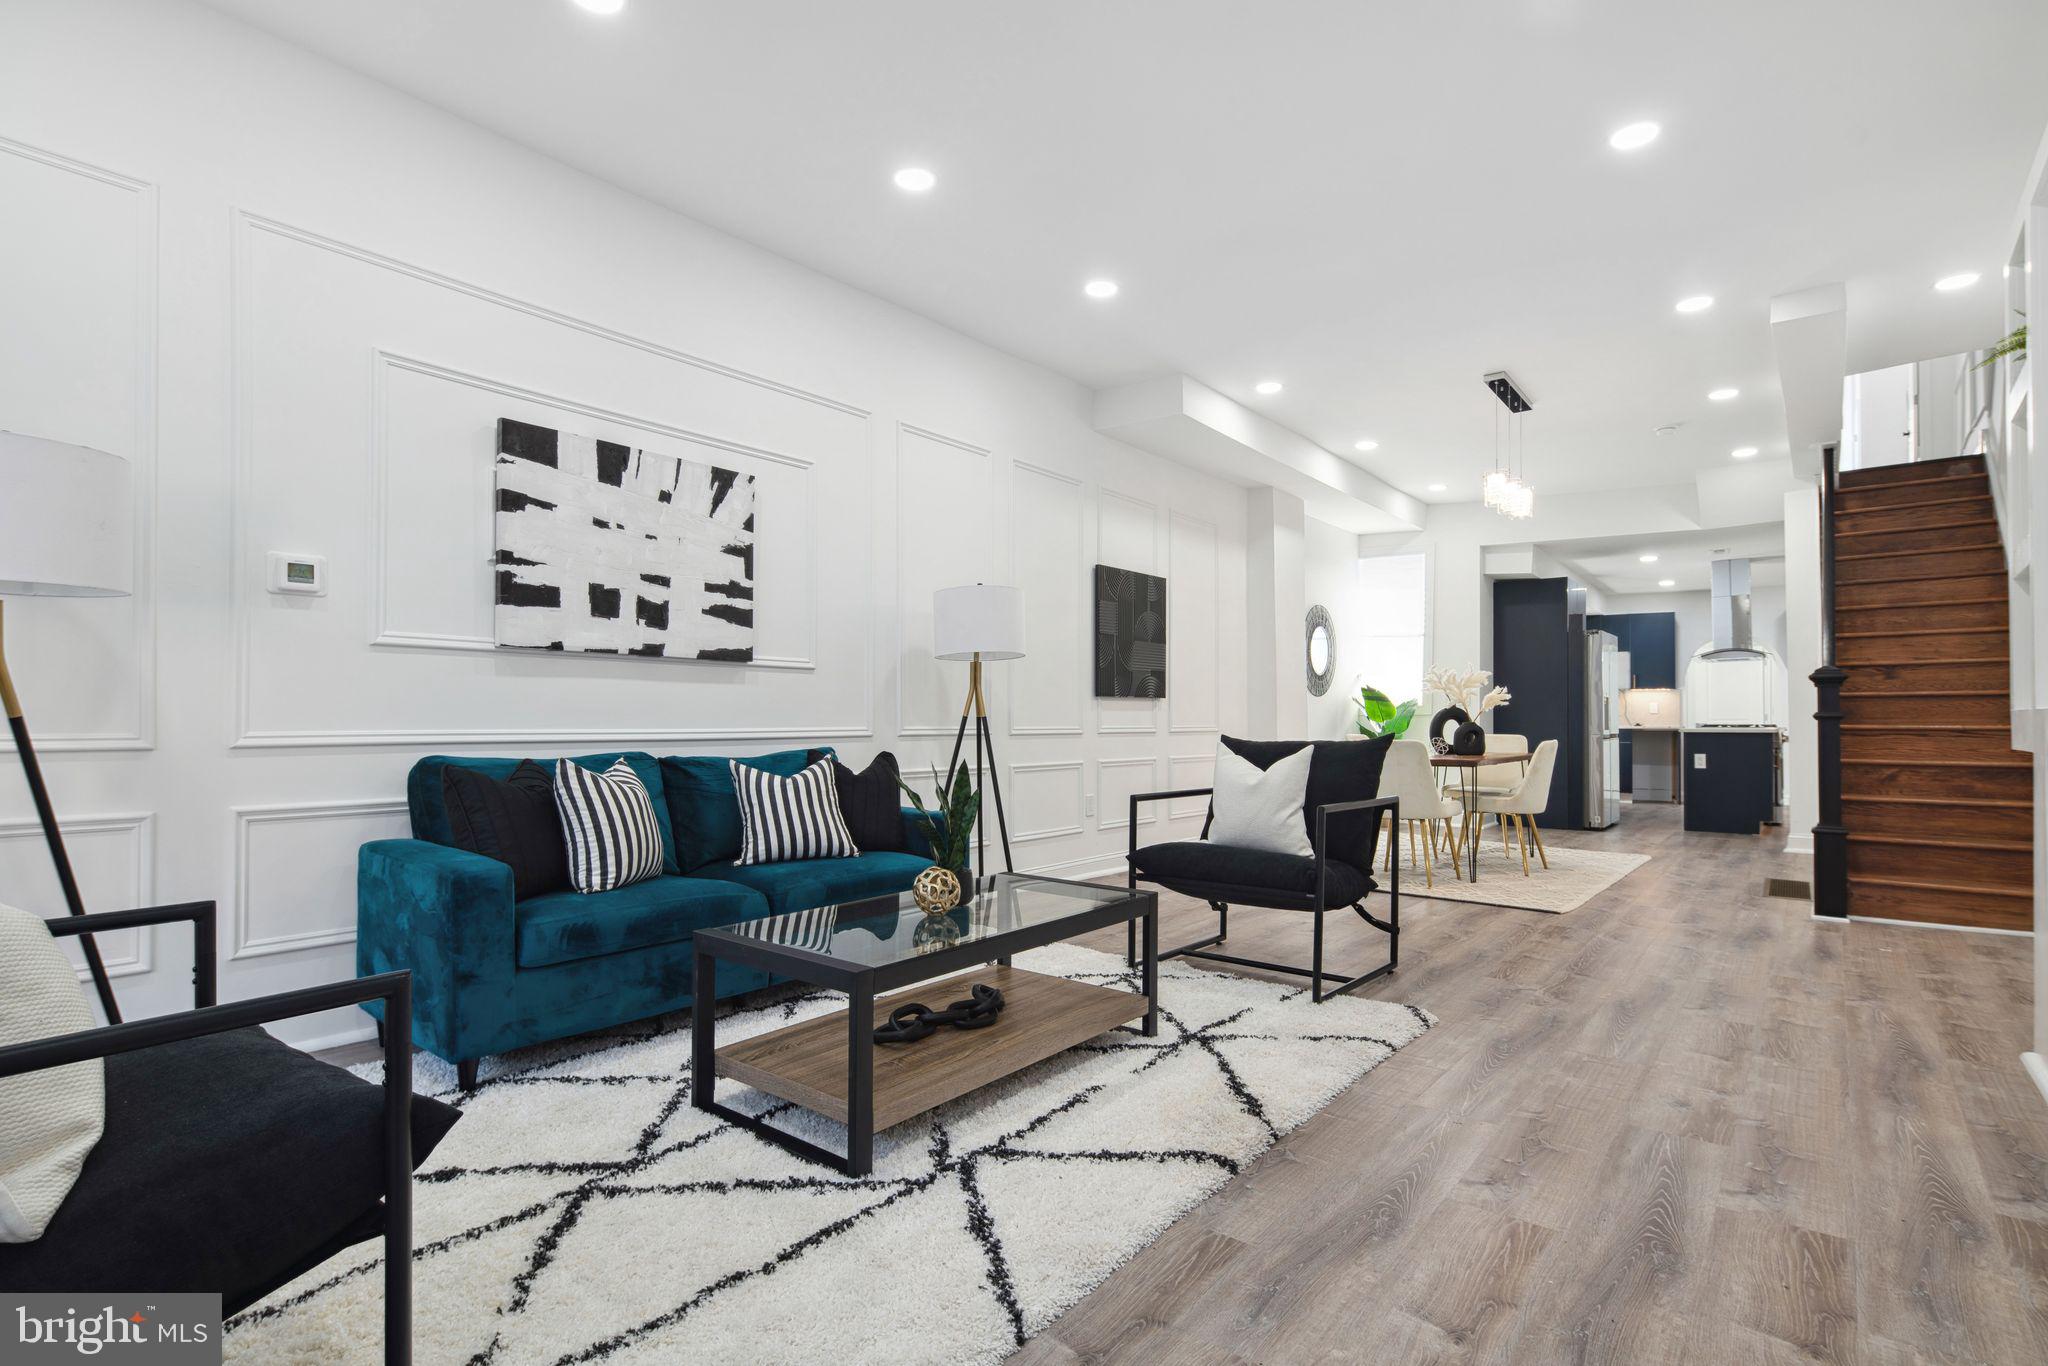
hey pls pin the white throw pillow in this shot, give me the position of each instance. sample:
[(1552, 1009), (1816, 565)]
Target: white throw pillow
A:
[(1261, 809), (49, 1120)]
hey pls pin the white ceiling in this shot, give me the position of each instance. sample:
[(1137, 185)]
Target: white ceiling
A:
[(1373, 202), (1614, 564)]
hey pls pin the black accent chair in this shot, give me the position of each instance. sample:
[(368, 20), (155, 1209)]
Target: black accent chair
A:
[(229, 1161), (1343, 829)]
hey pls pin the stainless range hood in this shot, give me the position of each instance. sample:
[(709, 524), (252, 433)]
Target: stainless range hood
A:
[(1731, 610)]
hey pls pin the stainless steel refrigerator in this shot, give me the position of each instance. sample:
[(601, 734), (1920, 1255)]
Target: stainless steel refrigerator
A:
[(1606, 676)]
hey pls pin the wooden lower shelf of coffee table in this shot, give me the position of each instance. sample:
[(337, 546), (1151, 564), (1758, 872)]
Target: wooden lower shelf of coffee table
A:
[(806, 1063)]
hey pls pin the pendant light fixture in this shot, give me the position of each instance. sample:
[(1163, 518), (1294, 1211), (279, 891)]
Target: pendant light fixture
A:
[(1504, 489)]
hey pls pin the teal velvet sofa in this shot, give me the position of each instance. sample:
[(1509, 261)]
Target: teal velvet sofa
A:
[(491, 974)]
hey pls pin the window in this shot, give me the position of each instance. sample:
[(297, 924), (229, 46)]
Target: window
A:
[(1392, 624)]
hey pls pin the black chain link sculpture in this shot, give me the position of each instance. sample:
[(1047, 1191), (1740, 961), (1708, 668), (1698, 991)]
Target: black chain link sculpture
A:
[(909, 1023)]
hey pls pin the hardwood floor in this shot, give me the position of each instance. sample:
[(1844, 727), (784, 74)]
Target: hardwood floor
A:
[(1684, 1123)]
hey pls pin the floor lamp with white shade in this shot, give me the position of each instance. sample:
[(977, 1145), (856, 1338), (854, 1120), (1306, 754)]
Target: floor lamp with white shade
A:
[(66, 530), (978, 623)]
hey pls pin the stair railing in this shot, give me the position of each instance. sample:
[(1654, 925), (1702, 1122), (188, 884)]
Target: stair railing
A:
[(1830, 836)]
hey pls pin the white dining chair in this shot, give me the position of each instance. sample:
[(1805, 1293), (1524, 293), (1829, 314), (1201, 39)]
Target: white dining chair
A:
[(1428, 814), (1527, 798), (1492, 781)]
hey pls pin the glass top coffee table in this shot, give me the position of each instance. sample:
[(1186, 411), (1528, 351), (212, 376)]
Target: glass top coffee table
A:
[(830, 1065)]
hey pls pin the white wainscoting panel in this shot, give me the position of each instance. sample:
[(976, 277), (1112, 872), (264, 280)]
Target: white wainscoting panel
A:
[(114, 859), (1116, 781), (1048, 560), (1045, 800), (1185, 771), (295, 871), (390, 480), (78, 247), (1194, 630), (943, 490)]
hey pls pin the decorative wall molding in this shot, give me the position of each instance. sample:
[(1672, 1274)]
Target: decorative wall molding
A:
[(246, 225), (140, 826), (905, 727), (1082, 618), (381, 631), (242, 941), (142, 460), (1215, 608), (1180, 810), (1075, 766), (1147, 814), (260, 223)]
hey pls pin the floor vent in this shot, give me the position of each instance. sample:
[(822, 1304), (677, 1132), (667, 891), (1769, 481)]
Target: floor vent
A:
[(1798, 889)]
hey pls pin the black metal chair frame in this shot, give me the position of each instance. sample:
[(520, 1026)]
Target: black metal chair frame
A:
[(392, 988), (1316, 904)]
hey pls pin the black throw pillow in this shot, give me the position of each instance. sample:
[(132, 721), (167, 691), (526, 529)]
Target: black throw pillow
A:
[(871, 803), (514, 822), (1340, 771)]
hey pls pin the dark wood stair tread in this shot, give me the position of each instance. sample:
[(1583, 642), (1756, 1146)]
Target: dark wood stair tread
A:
[(1922, 727), (1893, 762), (1906, 530), (1958, 842), (1922, 631), (1862, 555), (1939, 888)]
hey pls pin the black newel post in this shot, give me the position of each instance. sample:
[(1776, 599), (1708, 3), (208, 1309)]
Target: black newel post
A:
[(1830, 837)]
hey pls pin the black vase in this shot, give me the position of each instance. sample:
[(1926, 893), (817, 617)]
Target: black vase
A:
[(1468, 739), (1454, 716)]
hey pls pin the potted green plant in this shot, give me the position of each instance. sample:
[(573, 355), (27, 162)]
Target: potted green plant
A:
[(938, 888), (1378, 715), (2014, 343)]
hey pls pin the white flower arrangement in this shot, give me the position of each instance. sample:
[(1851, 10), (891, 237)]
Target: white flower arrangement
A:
[(1471, 689)]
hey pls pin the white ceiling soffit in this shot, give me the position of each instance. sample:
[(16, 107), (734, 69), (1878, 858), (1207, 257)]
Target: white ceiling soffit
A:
[(1810, 331), (1191, 423)]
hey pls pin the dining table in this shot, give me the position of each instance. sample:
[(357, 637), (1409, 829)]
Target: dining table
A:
[(1467, 767)]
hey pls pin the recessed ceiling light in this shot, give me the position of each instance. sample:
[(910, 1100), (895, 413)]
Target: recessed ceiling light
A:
[(915, 179), (1743, 452), (1437, 488), (1667, 583), (1633, 136), (1267, 386), (1366, 445), (1722, 395), (601, 6), (1697, 303), (1100, 289), (1647, 559), (1948, 284)]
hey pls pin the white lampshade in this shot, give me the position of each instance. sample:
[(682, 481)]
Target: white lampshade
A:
[(980, 619), (67, 527)]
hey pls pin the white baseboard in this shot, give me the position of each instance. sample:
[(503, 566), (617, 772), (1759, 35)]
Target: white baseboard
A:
[(338, 1039), (1928, 925), (1800, 842), (2037, 1068)]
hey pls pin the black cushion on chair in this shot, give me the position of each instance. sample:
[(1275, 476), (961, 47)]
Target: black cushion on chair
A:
[(1340, 771), (231, 1162), (1248, 877)]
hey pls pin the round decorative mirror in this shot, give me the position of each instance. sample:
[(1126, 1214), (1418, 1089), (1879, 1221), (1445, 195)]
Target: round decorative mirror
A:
[(1322, 650)]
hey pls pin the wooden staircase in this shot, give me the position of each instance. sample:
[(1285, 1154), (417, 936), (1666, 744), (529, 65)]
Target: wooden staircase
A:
[(1938, 805)]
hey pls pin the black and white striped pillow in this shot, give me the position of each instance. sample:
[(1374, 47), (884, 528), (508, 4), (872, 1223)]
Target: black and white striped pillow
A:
[(608, 823), (785, 819)]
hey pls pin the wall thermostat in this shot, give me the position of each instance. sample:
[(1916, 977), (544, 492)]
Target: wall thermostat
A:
[(305, 574)]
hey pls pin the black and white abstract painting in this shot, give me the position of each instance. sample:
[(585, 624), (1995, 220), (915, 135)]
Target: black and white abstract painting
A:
[(1130, 633), (603, 548)]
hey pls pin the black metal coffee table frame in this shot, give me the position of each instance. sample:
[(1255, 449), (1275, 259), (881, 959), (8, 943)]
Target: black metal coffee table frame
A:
[(862, 983)]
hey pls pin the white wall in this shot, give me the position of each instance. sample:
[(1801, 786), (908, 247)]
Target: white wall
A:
[(1330, 575), (299, 302), (1802, 657)]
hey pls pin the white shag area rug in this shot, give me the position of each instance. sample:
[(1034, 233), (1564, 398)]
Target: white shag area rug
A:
[(1575, 876), (583, 1211)]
